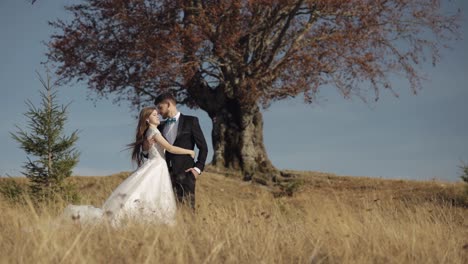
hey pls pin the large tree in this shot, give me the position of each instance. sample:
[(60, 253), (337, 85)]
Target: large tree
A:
[(233, 57)]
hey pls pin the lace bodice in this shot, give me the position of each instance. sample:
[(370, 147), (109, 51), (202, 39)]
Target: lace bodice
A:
[(156, 151)]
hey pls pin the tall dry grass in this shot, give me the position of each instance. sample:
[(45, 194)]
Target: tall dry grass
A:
[(328, 220)]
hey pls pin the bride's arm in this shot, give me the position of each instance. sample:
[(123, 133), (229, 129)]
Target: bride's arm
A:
[(172, 149)]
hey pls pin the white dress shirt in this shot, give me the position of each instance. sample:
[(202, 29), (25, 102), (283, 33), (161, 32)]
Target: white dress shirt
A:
[(170, 130)]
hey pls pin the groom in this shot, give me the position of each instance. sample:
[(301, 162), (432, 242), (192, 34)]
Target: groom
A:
[(185, 132)]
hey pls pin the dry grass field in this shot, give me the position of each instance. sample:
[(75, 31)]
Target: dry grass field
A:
[(327, 219)]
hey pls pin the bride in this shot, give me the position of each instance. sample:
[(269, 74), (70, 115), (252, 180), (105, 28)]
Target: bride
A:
[(147, 194)]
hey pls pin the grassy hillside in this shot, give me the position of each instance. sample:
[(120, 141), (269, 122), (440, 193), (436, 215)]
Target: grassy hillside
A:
[(315, 218)]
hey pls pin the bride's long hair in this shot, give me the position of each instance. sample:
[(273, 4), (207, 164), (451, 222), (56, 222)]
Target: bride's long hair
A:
[(143, 125)]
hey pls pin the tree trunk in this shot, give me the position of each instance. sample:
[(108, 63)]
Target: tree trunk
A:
[(238, 141)]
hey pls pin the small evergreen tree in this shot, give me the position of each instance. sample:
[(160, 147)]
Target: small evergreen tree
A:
[(55, 152), (465, 175)]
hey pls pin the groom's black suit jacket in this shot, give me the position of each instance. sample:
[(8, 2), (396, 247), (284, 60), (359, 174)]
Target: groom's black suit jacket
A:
[(189, 135)]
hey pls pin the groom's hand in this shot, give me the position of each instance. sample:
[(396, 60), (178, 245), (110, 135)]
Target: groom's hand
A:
[(194, 172)]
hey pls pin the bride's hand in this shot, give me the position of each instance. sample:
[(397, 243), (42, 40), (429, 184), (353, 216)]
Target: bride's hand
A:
[(147, 143), (192, 154)]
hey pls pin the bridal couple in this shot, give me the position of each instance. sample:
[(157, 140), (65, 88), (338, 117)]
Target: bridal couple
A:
[(164, 152)]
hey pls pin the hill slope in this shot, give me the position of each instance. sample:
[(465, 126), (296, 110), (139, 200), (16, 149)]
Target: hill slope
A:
[(315, 218)]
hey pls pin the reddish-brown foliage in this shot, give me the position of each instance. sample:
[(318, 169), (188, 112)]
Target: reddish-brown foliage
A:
[(252, 51)]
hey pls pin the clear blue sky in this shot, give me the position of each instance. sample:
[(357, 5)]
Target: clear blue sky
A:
[(411, 137)]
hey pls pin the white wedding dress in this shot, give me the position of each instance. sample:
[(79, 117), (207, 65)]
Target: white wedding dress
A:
[(145, 196)]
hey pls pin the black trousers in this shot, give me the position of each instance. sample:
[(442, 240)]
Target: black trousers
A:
[(184, 188)]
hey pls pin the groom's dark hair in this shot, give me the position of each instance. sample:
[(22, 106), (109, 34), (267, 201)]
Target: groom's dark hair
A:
[(165, 97)]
